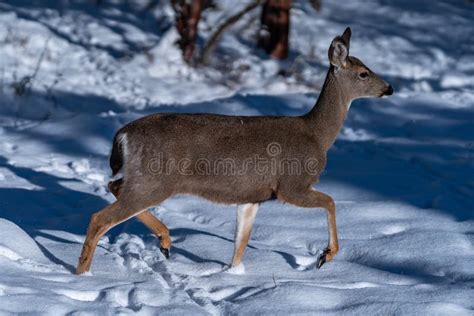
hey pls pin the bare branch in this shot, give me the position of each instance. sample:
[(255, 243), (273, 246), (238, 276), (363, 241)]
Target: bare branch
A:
[(214, 38), (22, 86)]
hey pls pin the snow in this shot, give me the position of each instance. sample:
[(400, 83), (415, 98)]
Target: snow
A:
[(401, 171)]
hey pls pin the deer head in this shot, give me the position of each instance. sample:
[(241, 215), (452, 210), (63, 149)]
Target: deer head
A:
[(355, 78)]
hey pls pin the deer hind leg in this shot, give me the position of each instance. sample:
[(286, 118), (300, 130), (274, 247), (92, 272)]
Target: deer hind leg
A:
[(312, 198), (245, 217), (99, 224), (150, 221), (159, 229)]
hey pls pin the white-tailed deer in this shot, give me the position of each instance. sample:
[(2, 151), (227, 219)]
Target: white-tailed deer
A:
[(233, 159)]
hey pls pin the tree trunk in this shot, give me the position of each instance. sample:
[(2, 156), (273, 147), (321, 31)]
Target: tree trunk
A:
[(188, 14), (275, 27)]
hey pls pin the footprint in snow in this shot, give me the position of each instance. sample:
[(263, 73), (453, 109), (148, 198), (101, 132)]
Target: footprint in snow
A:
[(10, 148), (84, 296), (306, 262), (200, 219), (393, 229)]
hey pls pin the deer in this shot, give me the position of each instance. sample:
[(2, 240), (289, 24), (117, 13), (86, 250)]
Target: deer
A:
[(188, 143)]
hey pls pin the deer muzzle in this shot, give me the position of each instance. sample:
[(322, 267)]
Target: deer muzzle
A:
[(388, 91)]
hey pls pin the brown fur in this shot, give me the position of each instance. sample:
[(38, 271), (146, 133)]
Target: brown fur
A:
[(213, 137)]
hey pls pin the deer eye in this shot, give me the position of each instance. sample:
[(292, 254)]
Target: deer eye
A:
[(364, 75)]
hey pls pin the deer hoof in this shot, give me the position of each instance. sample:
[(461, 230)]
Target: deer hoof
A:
[(322, 258), (165, 252), (81, 269)]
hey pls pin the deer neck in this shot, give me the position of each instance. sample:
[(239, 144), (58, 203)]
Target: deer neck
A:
[(328, 114)]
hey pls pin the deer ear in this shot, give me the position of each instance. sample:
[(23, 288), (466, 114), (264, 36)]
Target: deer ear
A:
[(339, 49), (346, 36)]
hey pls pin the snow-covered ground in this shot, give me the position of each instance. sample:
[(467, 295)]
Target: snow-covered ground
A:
[(401, 171)]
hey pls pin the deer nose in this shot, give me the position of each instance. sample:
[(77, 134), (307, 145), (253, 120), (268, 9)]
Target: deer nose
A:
[(389, 90)]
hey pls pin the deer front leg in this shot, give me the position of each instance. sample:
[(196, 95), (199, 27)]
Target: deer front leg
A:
[(312, 198), (245, 217)]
